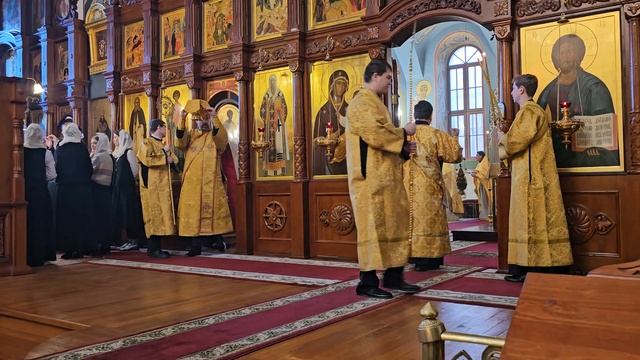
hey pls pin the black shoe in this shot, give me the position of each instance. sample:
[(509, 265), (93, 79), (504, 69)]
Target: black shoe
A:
[(373, 292), (194, 252), (425, 268), (159, 254), (515, 278), (403, 287)]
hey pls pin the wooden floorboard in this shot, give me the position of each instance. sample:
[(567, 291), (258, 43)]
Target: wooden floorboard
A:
[(115, 302), (60, 308), (389, 332)]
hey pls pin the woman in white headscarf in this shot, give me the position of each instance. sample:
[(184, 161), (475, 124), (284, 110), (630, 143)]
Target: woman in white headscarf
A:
[(127, 212), (74, 210), (40, 243), (103, 165)]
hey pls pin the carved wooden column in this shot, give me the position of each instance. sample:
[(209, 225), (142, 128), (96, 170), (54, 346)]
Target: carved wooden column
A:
[(632, 12), (505, 70), (47, 56), (300, 184), (114, 64), (503, 182), (150, 67), (13, 208), (78, 82), (244, 189)]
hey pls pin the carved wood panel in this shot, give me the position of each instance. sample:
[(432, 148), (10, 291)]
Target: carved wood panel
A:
[(593, 218), (332, 222), (2, 233), (273, 218)]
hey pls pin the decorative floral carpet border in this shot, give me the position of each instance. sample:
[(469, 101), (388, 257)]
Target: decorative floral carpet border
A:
[(140, 345), (472, 298)]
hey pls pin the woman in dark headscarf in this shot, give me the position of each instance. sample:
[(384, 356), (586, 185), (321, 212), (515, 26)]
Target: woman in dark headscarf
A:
[(74, 215), (40, 245), (103, 165), (331, 115), (127, 212)]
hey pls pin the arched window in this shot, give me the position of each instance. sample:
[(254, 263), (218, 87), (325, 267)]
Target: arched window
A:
[(466, 105)]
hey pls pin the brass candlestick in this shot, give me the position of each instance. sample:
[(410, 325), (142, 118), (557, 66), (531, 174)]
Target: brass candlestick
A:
[(260, 146), (567, 126), (329, 142)]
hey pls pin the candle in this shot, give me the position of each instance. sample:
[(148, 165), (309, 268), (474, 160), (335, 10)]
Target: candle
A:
[(261, 130), (565, 104)]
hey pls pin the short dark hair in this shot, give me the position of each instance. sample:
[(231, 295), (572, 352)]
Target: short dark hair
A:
[(481, 153), (375, 67), (422, 110), (155, 124), (528, 81)]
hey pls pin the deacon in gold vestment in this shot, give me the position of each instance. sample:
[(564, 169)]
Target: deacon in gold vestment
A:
[(538, 235), (425, 186), (155, 187), (374, 168), (203, 209), (483, 185), (452, 196)]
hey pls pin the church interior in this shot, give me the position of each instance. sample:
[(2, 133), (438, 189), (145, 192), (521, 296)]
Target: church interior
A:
[(280, 76)]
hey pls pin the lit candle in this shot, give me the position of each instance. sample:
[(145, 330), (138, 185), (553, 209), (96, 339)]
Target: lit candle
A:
[(565, 105), (261, 130), (329, 128)]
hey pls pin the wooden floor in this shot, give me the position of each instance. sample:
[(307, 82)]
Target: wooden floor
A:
[(60, 308)]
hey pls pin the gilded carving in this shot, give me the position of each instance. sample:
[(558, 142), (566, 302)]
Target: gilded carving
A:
[(502, 31), (274, 216), (172, 74), (320, 46), (533, 7), (378, 53), (354, 40), (501, 8), (241, 76), (424, 6), (263, 56), (373, 32), (632, 9), (341, 218), (213, 67), (128, 83), (299, 158), (235, 59)]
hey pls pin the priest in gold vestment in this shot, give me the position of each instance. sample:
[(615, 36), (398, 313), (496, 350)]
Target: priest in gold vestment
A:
[(155, 187), (483, 185), (374, 168), (425, 186), (203, 209), (538, 234)]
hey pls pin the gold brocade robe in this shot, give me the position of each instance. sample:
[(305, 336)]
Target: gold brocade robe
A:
[(379, 200), (538, 234), (203, 208), (430, 237), (155, 188), (484, 188), (454, 199)]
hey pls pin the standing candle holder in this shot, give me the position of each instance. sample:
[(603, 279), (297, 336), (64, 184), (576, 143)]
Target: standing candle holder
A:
[(567, 126), (329, 142), (260, 145)]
